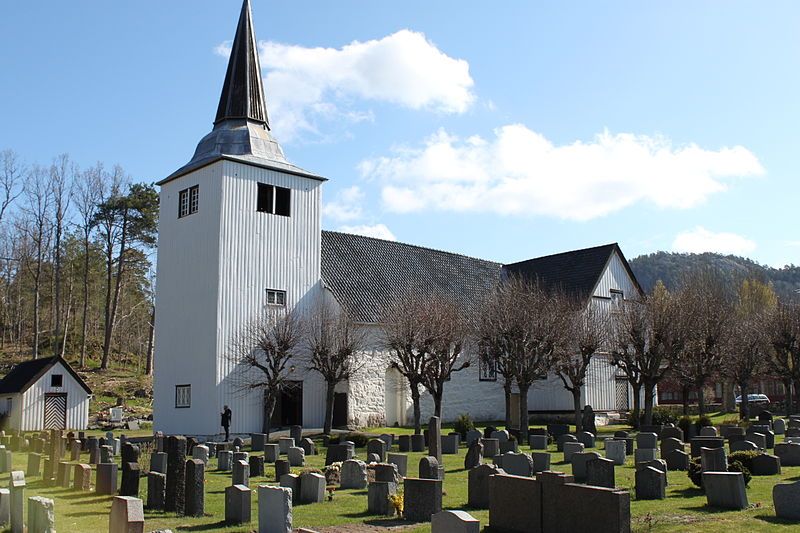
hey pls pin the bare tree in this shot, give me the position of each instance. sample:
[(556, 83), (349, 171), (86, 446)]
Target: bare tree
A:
[(87, 193), (11, 180), (708, 303), (587, 334), (260, 353), (403, 337), (649, 336), (446, 333), (38, 213), (333, 342), (62, 173), (784, 335)]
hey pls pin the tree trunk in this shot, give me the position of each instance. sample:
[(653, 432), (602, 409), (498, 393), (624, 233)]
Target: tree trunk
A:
[(649, 390), (111, 315), (701, 401), (744, 405), (329, 396), (107, 307), (637, 404), (576, 403), (36, 305), (57, 282), (84, 325), (685, 396), (269, 408), (151, 343), (728, 397), (437, 402), (787, 386), (507, 392), (523, 413), (417, 414)]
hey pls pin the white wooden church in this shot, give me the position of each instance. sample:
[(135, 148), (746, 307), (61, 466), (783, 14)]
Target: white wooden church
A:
[(241, 233)]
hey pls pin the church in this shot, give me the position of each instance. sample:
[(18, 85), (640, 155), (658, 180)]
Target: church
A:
[(241, 232)]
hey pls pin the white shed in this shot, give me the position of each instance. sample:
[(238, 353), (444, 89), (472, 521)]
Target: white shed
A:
[(44, 394)]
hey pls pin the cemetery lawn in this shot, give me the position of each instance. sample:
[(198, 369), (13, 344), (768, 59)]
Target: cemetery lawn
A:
[(685, 507)]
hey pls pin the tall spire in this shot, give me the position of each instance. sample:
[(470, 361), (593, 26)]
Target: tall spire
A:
[(243, 93)]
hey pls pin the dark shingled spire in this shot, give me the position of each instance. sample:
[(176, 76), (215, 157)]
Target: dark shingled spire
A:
[(243, 92)]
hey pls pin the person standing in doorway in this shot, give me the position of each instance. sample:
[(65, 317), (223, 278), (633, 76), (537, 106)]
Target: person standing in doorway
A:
[(226, 422)]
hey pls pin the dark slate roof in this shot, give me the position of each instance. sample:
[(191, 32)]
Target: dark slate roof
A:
[(25, 374), (576, 272), (365, 274)]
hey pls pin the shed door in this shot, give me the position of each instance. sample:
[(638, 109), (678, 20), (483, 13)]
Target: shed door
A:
[(55, 411), (623, 401)]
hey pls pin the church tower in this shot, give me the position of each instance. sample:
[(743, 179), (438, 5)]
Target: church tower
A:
[(240, 231)]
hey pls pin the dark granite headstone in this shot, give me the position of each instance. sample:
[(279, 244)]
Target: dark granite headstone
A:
[(176, 474), (195, 489)]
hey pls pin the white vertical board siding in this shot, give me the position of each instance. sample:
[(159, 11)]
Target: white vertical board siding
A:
[(600, 388), (186, 305), (616, 276), (14, 420), (259, 251), (32, 412)]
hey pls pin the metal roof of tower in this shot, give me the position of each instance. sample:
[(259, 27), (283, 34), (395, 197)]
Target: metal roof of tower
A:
[(241, 128)]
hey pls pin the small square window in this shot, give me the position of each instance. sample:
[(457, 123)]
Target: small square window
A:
[(274, 200), (275, 297), (266, 203), (183, 396), (188, 201), (487, 369), (56, 380)]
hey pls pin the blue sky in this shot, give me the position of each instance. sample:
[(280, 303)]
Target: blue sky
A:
[(501, 133)]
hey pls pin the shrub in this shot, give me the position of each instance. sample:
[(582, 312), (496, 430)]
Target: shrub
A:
[(463, 424), (663, 416), (703, 421), (737, 466), (745, 457), (684, 423), (736, 463), (359, 439), (695, 472)]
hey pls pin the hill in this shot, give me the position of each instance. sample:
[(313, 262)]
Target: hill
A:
[(669, 267)]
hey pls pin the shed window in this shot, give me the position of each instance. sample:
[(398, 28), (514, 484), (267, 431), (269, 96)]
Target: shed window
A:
[(274, 200), (56, 380), (183, 395), (617, 296), (9, 403), (275, 297), (188, 201)]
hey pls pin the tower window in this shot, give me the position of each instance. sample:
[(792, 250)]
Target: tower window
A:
[(183, 396), (56, 380), (275, 297), (188, 201), (274, 200)]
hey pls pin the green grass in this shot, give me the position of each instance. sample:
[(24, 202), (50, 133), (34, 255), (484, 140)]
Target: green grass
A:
[(684, 508)]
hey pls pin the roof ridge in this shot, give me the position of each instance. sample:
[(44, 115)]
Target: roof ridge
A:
[(455, 254), (611, 244)]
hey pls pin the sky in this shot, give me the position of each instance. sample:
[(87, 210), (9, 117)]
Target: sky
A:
[(503, 130)]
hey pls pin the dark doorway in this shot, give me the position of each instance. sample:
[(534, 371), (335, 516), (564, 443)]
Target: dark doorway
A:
[(340, 409), (289, 408)]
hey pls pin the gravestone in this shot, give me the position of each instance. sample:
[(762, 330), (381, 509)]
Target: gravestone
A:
[(779, 426), (41, 515), (725, 489), (291, 481), (677, 460), (615, 451), (743, 446), (271, 452), (34, 462), (16, 487), (708, 431), (127, 515), (652, 428), (337, 453), (491, 447), (237, 504), (404, 443), (435, 438), (705, 442), (130, 479), (556, 430), (378, 495), (588, 421), (478, 485), (82, 476), (570, 449), (629, 444), (201, 452), (600, 473), (422, 498), (651, 484), (312, 487), (106, 478), (93, 446), (765, 465), (5, 507), (647, 440), (388, 439), (786, 499), (454, 522), (308, 446), (670, 443), (296, 433), (274, 509), (515, 503), (517, 464), (417, 443), (353, 474), (256, 466), (176, 474), (759, 439), (473, 435), (284, 443), (579, 464), (241, 473), (564, 438), (156, 490), (373, 458), (195, 487), (106, 454), (257, 442), (586, 438), (644, 454), (765, 416), (400, 460), (450, 444), (541, 461), (672, 433), (474, 455), (713, 460), (537, 442), (238, 443), (158, 462), (75, 449), (224, 459), (386, 472), (281, 468), (429, 468), (378, 447), (296, 456), (240, 456)]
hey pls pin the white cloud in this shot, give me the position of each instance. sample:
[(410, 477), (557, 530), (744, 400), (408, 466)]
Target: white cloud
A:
[(699, 240), (379, 231), (520, 172), (307, 85), (346, 205)]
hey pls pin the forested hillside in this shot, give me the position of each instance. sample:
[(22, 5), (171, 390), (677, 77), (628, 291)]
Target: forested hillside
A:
[(669, 267)]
